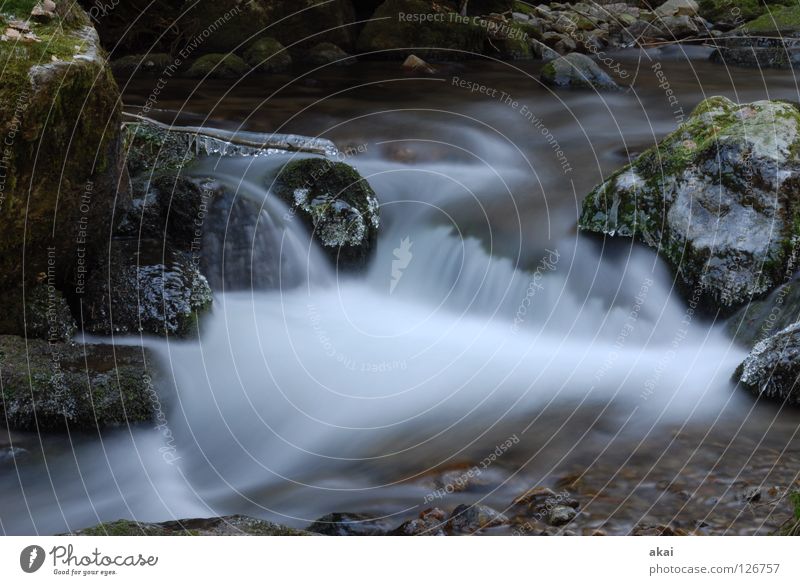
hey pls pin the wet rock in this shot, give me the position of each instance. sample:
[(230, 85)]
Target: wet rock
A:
[(337, 204), (218, 66), (431, 522), (772, 368), (560, 515), (541, 500), (657, 530), (46, 314), (715, 198), (678, 27), (150, 64), (161, 292), (327, 54), (470, 519), (268, 56), (677, 8), (416, 65), (349, 524), (763, 318), (725, 15), (576, 71), (248, 257), (221, 526), (757, 51), (45, 209), (53, 386)]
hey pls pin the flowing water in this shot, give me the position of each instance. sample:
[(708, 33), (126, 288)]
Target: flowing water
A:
[(483, 319)]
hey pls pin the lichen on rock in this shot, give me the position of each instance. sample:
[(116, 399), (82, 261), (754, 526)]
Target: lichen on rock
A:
[(337, 203), (772, 368), (715, 198)]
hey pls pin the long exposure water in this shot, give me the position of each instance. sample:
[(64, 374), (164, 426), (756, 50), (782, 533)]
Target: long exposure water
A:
[(482, 316)]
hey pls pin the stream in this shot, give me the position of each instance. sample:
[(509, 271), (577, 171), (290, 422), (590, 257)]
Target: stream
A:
[(485, 332)]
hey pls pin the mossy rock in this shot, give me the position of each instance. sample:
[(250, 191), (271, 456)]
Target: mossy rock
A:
[(149, 64), (716, 198), (221, 526), (268, 56), (778, 20), (218, 66), (728, 14), (53, 386), (576, 71), (337, 204), (327, 54), (60, 116), (394, 38), (148, 147)]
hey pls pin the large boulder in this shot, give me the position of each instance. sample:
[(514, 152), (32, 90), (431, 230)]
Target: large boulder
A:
[(780, 20), (716, 198), (55, 386), (61, 163), (772, 369), (336, 203), (576, 71)]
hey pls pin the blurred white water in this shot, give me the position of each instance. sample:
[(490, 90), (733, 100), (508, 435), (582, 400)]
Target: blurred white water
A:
[(327, 394)]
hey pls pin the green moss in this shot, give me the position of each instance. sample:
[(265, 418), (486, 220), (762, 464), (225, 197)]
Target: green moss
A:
[(18, 8), (729, 11), (268, 55), (52, 386), (218, 65), (778, 20), (124, 528), (336, 202)]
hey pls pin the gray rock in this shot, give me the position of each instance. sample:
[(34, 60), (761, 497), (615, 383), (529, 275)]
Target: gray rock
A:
[(576, 71), (763, 318), (772, 369), (431, 522), (471, 519), (715, 198), (677, 27), (560, 515), (350, 524), (326, 54)]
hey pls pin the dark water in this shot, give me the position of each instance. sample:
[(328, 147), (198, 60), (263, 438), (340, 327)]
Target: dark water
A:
[(348, 395)]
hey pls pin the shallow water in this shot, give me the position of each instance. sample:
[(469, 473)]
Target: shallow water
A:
[(482, 317)]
